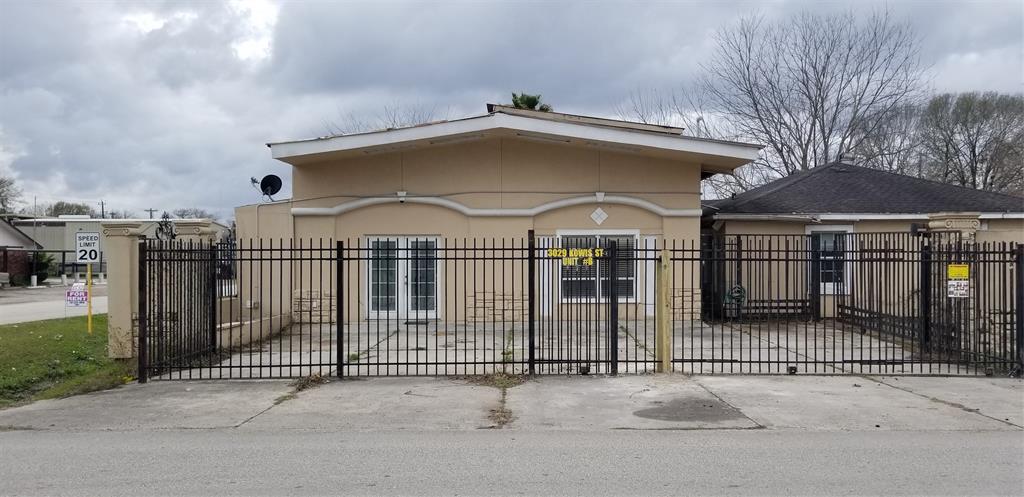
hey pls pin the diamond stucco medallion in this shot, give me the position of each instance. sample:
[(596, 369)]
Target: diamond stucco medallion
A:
[(599, 215)]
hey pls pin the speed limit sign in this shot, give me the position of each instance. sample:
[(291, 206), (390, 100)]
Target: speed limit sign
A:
[(87, 247)]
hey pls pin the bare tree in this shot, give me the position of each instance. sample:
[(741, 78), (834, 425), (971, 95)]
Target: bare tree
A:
[(9, 194), (121, 214), (894, 144), (688, 107), (193, 213), (812, 87), (391, 116), (61, 208), (975, 140)]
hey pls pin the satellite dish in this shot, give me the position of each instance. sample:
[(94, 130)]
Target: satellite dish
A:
[(270, 185)]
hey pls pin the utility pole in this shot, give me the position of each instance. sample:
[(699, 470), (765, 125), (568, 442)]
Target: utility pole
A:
[(151, 211), (103, 210)]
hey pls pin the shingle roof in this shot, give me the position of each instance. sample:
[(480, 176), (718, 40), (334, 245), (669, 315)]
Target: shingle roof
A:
[(845, 188)]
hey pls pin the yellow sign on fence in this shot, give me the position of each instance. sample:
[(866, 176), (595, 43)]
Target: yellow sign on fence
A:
[(958, 271), (576, 256)]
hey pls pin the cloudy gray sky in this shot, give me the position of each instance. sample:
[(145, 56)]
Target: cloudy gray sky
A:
[(168, 104)]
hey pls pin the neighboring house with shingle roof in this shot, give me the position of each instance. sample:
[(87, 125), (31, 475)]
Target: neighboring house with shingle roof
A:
[(845, 197)]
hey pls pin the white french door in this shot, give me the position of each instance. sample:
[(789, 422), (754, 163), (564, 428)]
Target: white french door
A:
[(402, 277)]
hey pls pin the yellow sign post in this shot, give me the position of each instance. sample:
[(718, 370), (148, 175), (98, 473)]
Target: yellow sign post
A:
[(88, 296), (87, 251)]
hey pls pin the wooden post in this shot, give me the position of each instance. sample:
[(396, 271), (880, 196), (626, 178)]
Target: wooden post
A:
[(663, 311)]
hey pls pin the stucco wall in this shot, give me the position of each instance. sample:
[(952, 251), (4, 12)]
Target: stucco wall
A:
[(992, 230), (495, 173), (890, 286), (1001, 230), (491, 173)]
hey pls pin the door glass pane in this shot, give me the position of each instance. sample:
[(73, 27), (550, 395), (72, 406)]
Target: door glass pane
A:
[(422, 275), (384, 275)]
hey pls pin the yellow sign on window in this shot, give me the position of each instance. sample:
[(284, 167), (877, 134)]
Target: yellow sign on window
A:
[(958, 271)]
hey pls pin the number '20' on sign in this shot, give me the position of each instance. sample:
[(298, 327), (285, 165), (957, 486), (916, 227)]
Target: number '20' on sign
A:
[(87, 247)]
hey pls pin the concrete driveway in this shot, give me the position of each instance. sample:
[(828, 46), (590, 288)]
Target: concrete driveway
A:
[(373, 349), (630, 435), (548, 403)]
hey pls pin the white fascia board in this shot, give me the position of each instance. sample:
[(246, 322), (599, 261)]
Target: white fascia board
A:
[(851, 217), (1001, 215), (762, 217), (285, 150), (742, 151), (635, 138)]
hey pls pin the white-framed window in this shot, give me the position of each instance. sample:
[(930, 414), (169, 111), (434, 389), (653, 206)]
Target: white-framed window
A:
[(402, 280), (833, 264), (586, 283)]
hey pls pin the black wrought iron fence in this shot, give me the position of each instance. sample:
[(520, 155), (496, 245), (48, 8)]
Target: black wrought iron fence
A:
[(824, 303)]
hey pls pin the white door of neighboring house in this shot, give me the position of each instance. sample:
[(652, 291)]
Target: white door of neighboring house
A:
[(402, 278)]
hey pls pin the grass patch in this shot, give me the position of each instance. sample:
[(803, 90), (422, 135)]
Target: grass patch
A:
[(56, 358)]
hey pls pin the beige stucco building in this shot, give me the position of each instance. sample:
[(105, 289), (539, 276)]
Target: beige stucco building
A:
[(496, 175), (492, 179), (846, 198), (864, 222)]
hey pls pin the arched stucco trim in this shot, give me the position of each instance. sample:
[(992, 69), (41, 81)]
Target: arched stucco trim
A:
[(401, 197)]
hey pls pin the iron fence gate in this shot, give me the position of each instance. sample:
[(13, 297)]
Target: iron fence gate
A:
[(825, 303), (177, 306)]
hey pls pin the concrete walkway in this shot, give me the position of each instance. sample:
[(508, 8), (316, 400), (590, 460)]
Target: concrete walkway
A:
[(557, 435), (636, 402)]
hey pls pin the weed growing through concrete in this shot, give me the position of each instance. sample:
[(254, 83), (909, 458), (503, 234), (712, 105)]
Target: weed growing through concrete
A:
[(304, 383), (641, 345), (307, 382), (500, 415), (508, 353), (498, 380), (284, 398)]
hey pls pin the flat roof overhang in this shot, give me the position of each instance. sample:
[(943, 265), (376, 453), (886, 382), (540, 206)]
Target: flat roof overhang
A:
[(714, 156)]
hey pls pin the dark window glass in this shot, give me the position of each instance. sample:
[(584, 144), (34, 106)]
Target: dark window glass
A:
[(583, 281)]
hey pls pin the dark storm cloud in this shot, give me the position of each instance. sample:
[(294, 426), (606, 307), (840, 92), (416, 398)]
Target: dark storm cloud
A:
[(581, 53), (148, 104), (589, 55), (94, 108)]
